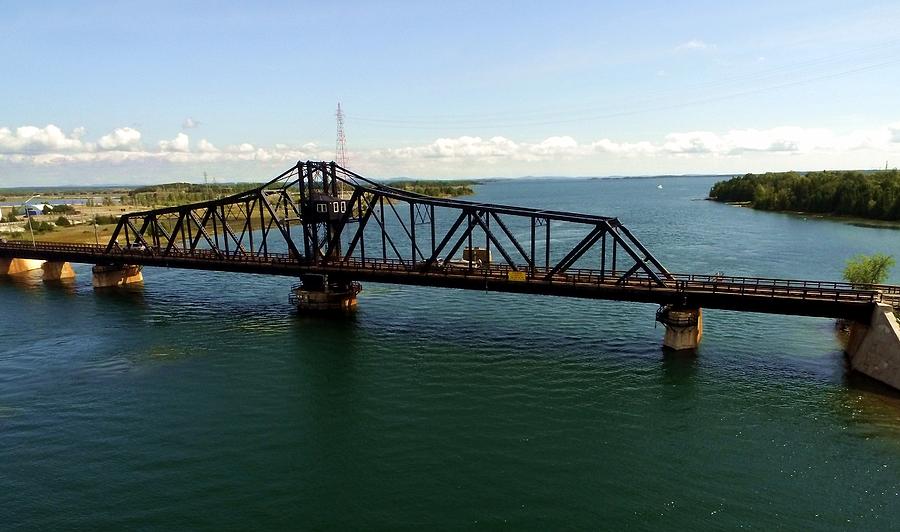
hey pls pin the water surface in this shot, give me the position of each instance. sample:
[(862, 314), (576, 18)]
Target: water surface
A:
[(201, 401)]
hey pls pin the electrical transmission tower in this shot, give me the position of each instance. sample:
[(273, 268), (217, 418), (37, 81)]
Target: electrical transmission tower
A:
[(341, 147)]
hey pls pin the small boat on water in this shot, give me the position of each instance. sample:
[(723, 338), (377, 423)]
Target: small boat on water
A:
[(658, 186)]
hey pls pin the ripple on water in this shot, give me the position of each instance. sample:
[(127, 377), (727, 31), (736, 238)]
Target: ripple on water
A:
[(149, 406)]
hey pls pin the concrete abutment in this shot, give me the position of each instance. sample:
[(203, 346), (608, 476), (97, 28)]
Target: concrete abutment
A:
[(874, 349), (18, 266)]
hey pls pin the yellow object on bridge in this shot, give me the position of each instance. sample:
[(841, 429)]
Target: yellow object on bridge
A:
[(516, 276)]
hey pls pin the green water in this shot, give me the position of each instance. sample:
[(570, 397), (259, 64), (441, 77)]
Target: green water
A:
[(201, 401)]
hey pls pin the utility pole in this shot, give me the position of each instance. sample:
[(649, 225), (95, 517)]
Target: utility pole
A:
[(28, 214)]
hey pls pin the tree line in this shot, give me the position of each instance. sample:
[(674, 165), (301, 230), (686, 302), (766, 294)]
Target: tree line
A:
[(181, 193), (865, 194), (440, 189)]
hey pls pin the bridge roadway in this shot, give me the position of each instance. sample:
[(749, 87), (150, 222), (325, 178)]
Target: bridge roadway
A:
[(775, 296)]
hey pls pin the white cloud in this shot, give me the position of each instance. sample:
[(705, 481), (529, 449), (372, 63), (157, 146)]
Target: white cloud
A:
[(205, 146), (894, 132), (694, 142), (694, 44), (189, 123), (181, 143), (464, 147), (624, 148), (733, 143), (31, 139), (50, 147), (555, 147), (121, 139)]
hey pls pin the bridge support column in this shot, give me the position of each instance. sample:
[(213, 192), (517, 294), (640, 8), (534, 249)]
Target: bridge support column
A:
[(874, 349), (684, 327), (17, 266), (57, 271), (316, 293), (106, 276)]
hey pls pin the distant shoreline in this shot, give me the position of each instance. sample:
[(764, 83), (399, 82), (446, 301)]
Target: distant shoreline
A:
[(849, 220)]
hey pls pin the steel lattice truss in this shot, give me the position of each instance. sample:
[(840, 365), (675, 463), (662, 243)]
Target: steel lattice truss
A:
[(319, 213)]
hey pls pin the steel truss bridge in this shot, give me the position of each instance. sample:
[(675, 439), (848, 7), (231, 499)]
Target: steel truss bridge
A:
[(318, 218)]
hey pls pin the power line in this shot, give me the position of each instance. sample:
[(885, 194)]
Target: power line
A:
[(494, 120)]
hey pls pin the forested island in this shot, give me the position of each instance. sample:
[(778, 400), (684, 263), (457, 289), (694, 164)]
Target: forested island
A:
[(863, 194)]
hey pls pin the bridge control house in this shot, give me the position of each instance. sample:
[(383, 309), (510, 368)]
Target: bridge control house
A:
[(324, 208)]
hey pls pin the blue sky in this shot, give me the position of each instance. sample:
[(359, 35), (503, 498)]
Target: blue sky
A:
[(100, 92)]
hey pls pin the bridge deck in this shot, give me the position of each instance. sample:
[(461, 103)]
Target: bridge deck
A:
[(777, 296)]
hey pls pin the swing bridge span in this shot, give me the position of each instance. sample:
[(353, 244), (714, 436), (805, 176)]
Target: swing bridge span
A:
[(333, 229)]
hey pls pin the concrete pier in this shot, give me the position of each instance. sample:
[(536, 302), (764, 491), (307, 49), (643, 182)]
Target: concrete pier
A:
[(57, 271), (874, 349), (107, 276), (684, 327), (316, 293), (307, 301), (17, 266)]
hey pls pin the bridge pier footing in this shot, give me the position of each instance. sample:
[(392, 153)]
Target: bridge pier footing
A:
[(316, 293), (112, 275), (874, 349), (17, 266), (684, 327), (57, 271)]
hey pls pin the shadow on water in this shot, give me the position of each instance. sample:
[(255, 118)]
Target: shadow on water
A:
[(129, 295), (329, 340), (68, 287), (855, 381), (31, 284), (679, 373), (870, 407), (30, 280)]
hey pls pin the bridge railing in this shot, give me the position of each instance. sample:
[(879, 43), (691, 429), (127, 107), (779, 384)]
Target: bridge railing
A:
[(745, 286), (609, 279)]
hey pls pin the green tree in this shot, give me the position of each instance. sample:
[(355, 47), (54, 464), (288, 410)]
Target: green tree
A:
[(869, 194), (37, 227), (62, 221), (864, 270)]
